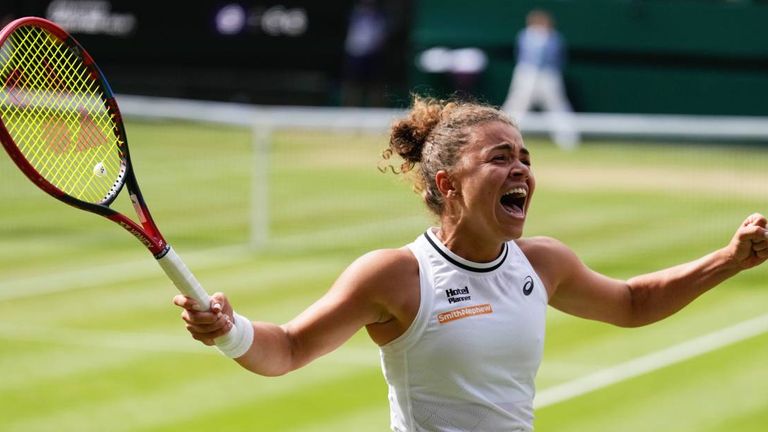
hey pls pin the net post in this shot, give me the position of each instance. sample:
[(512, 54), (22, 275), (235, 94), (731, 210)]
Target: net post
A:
[(259, 226)]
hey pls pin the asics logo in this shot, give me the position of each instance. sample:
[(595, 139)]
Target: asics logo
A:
[(528, 285)]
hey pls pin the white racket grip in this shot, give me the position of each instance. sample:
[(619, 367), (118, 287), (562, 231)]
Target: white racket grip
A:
[(188, 285), (184, 280)]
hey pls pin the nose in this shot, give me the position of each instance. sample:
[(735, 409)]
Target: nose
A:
[(520, 170)]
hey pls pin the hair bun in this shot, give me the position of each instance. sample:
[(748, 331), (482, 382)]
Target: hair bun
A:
[(432, 136), (409, 135)]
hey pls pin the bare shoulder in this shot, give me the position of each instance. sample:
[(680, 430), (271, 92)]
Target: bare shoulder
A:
[(387, 263), (542, 248), (379, 272), (551, 259), (390, 279)]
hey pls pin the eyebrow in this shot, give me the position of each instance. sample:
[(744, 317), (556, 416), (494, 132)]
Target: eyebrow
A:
[(505, 146)]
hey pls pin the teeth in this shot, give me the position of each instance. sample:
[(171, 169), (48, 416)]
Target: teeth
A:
[(517, 192)]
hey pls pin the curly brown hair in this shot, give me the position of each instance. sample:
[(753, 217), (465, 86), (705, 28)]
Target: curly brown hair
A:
[(432, 135)]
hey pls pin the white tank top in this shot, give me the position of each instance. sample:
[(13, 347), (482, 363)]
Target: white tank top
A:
[(468, 360)]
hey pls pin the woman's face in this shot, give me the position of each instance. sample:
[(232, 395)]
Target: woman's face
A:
[(494, 181)]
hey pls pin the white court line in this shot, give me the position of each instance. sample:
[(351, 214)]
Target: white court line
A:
[(364, 356), (651, 362), (84, 277), (80, 278)]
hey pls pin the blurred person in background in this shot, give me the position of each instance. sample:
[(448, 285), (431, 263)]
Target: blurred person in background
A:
[(459, 313), (363, 55), (537, 79)]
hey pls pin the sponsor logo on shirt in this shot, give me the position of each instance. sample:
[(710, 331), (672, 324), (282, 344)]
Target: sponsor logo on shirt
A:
[(458, 295), (464, 312), (528, 285)]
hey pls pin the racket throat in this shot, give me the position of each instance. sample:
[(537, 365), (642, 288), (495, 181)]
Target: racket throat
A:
[(146, 232), (149, 235), (137, 205)]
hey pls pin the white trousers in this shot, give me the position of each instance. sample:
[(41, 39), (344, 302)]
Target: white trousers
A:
[(544, 88)]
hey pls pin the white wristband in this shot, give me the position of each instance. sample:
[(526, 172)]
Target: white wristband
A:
[(240, 338)]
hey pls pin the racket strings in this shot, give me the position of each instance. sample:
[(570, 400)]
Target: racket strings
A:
[(71, 87), (53, 107)]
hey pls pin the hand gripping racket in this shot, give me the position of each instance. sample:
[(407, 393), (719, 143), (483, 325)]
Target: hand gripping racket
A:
[(60, 124)]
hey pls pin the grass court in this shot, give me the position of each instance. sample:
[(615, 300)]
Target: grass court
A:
[(89, 339)]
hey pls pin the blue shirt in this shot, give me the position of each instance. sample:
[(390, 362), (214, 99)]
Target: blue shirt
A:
[(541, 48)]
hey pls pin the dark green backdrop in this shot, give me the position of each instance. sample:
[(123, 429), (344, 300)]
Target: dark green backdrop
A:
[(631, 56)]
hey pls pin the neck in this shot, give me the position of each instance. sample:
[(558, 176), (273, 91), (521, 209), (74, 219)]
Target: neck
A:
[(468, 244)]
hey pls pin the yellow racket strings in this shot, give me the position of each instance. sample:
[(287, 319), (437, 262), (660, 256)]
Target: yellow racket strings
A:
[(53, 109)]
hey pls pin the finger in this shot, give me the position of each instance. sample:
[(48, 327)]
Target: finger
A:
[(215, 307), (752, 232), (220, 300), (184, 302), (759, 245), (756, 219), (202, 338), (210, 331), (195, 316)]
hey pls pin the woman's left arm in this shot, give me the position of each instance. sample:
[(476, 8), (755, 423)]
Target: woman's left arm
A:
[(647, 298)]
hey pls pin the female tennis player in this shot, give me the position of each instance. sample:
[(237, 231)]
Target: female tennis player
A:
[(459, 313)]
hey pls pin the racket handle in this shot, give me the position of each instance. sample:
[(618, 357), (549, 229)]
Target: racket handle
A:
[(186, 282)]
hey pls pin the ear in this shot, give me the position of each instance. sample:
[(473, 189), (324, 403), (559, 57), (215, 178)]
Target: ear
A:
[(445, 183)]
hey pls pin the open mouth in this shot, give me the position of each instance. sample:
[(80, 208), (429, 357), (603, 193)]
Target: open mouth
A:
[(514, 201)]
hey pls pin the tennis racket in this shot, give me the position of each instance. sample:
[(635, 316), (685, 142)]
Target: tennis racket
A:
[(60, 124)]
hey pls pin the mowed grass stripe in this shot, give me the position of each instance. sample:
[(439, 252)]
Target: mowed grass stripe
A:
[(331, 172), (368, 418), (650, 362), (577, 348), (110, 349), (728, 304), (702, 394), (352, 390), (80, 276), (212, 392), (110, 273), (50, 356), (121, 303)]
